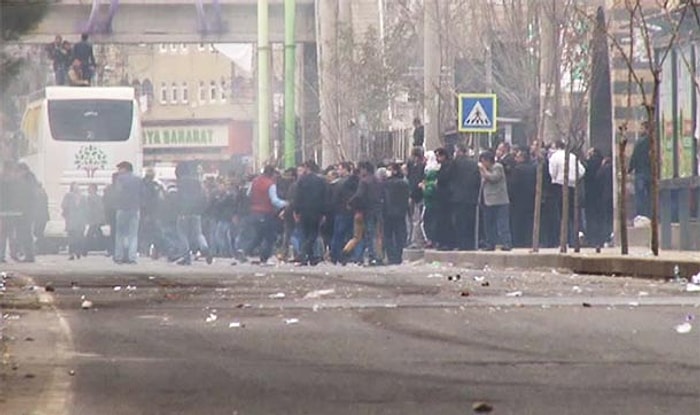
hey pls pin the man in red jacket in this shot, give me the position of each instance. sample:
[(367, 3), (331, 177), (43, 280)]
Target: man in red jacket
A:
[(264, 204)]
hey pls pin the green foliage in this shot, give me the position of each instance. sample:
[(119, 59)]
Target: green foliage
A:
[(20, 16), (17, 17)]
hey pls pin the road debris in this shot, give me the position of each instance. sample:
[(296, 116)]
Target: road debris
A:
[(277, 295), (514, 294), (291, 321), (212, 317), (684, 328), (482, 407), (85, 304), (695, 279), (319, 293), (692, 288)]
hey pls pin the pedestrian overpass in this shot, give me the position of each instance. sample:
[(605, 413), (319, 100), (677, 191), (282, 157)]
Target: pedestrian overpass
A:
[(169, 21)]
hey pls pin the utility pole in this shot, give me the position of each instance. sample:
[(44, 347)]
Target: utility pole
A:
[(550, 85), (263, 153), (289, 83), (431, 73), (327, 26)]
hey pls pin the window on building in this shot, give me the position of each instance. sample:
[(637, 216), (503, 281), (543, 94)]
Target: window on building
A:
[(212, 91), (185, 93), (175, 94), (222, 91), (163, 93), (202, 92)]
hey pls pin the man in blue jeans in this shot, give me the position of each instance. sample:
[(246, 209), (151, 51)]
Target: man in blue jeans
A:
[(190, 202), (496, 203), (128, 192)]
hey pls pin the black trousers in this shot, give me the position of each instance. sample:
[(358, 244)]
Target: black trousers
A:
[(445, 231), (463, 225), (310, 224), (394, 238)]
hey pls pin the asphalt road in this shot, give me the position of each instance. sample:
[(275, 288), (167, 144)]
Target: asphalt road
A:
[(400, 340)]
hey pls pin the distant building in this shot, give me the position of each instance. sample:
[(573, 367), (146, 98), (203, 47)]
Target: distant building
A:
[(197, 103)]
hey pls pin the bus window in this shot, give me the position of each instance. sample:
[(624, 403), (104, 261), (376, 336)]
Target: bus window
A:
[(90, 119)]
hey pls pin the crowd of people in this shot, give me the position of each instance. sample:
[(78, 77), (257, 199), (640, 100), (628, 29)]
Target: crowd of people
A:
[(348, 213), (73, 65)]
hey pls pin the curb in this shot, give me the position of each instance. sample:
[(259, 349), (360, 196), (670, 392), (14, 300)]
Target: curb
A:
[(653, 268)]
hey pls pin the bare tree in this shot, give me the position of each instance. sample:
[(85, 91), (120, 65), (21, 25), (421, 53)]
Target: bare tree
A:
[(654, 51)]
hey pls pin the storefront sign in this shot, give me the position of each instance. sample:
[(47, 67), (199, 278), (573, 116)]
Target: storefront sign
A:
[(185, 136)]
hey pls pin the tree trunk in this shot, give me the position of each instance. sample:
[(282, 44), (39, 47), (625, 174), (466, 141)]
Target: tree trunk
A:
[(577, 212), (538, 205), (654, 158), (564, 224), (622, 198)]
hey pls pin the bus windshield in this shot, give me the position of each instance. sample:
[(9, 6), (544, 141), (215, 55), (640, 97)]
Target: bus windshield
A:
[(90, 119)]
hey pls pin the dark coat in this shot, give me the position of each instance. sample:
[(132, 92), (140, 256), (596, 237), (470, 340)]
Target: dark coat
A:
[(416, 175), (396, 193), (128, 192), (368, 197), (521, 187), (191, 199), (465, 181), (343, 192), (310, 195)]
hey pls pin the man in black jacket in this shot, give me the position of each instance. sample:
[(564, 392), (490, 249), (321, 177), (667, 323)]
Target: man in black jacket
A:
[(521, 188), (342, 213), (309, 207), (464, 196), (368, 201), (396, 194), (82, 51)]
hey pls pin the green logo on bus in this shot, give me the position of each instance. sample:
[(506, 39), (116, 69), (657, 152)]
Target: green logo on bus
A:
[(90, 159)]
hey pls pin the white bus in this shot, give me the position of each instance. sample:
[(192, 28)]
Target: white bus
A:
[(75, 134)]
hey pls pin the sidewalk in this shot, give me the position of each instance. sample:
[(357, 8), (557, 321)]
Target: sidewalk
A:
[(639, 263)]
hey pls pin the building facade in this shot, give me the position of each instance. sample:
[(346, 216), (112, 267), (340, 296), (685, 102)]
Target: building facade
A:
[(197, 103)]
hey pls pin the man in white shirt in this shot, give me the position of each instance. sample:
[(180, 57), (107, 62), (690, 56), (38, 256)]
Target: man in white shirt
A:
[(557, 162)]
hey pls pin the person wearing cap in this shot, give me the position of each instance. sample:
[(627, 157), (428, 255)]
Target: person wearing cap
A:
[(127, 200)]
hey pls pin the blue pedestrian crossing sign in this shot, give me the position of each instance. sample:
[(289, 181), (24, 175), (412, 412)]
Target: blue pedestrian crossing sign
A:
[(477, 113)]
